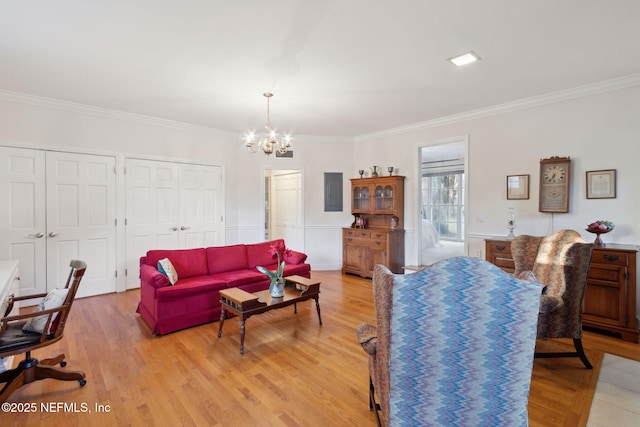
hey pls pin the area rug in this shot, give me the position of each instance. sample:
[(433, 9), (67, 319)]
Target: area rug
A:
[(616, 401)]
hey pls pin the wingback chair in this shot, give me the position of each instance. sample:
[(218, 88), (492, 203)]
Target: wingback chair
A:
[(560, 262), (453, 345)]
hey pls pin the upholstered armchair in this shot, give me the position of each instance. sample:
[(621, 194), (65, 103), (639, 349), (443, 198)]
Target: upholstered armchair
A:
[(453, 345), (560, 262), (23, 333)]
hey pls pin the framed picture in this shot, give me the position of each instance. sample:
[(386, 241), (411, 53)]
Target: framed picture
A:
[(517, 187), (601, 184)]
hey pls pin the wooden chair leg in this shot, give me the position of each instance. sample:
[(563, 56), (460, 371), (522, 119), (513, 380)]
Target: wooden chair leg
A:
[(8, 376), (11, 386), (54, 360), (373, 406), (30, 370), (43, 371), (577, 342), (371, 399)]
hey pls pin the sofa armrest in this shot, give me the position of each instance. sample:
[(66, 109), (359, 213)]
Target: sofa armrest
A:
[(150, 276), (294, 257)]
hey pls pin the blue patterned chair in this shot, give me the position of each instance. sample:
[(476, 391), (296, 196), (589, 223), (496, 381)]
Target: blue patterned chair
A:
[(453, 345), (560, 262)]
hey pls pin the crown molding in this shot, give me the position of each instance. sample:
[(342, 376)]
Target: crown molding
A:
[(536, 101), (39, 101), (554, 97)]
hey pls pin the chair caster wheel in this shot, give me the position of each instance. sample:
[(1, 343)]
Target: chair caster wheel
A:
[(82, 383), (63, 363)]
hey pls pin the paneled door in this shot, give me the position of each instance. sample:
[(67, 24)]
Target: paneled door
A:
[(59, 207), (81, 220), (286, 208), (23, 217), (201, 206), (170, 206)]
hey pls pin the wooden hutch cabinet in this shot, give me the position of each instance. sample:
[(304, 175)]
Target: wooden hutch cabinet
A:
[(377, 233), (609, 301)]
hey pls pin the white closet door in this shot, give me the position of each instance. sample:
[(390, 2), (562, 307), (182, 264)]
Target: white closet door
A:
[(286, 209), (152, 211), (22, 215), (201, 215), (81, 214), (170, 206)]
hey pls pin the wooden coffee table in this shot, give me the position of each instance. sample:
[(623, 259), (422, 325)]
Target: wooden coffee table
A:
[(245, 304)]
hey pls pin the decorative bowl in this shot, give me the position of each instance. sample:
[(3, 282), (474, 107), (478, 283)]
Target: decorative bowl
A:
[(600, 227)]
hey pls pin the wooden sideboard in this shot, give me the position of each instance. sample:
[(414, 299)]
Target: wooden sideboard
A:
[(610, 296), (363, 248), (377, 233)]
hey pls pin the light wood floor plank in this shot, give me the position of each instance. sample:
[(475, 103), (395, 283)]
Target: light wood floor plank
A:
[(294, 372)]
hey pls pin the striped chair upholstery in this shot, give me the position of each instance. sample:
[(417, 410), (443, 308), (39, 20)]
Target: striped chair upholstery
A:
[(560, 262), (460, 346)]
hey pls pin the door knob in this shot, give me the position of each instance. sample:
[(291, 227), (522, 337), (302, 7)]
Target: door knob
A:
[(184, 228), (52, 234), (174, 229), (37, 235)]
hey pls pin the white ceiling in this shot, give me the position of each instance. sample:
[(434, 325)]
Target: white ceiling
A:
[(336, 67)]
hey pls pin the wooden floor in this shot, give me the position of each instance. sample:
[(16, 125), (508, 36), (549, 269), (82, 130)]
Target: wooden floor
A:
[(293, 373)]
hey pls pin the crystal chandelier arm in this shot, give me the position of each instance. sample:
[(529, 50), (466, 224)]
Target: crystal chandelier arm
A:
[(268, 143)]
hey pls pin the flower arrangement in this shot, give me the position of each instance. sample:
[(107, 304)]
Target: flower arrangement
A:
[(277, 250), (600, 227)]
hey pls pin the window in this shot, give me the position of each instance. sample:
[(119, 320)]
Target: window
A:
[(443, 202)]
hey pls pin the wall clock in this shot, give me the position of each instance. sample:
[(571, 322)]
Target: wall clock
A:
[(555, 183)]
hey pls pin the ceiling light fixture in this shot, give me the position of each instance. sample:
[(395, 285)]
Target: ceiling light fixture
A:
[(464, 59), (268, 142)]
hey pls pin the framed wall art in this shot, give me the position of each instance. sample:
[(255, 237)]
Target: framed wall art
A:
[(517, 187), (555, 184), (601, 184)]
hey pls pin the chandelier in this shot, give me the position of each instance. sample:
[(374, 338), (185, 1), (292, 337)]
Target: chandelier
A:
[(268, 142)]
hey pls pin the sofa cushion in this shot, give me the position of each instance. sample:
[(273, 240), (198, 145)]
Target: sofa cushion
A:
[(240, 277), (190, 286), (260, 253), (226, 258), (261, 285), (187, 262), (294, 257)]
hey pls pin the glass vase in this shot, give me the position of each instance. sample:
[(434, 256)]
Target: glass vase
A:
[(276, 289)]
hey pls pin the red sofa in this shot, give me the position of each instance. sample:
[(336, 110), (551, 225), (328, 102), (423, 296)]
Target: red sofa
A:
[(195, 298)]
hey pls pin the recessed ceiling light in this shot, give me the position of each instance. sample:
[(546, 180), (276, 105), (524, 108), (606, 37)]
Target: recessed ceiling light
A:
[(465, 58)]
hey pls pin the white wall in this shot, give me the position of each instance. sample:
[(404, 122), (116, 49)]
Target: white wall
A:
[(323, 230), (32, 122), (599, 131), (29, 122)]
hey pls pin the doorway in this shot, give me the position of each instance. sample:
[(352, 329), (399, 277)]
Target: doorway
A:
[(283, 207), (443, 200)]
